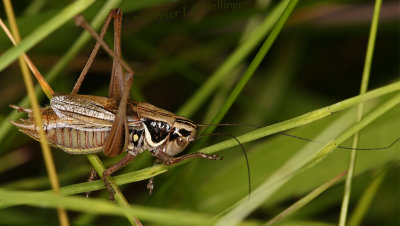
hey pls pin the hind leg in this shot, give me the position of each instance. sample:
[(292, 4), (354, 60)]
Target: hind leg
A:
[(117, 166)]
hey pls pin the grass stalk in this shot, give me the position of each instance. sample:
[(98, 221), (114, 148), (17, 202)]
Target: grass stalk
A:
[(49, 162), (360, 109), (104, 208)]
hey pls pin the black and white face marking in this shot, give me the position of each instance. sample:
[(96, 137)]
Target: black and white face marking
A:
[(156, 132), (171, 138), (183, 133), (179, 133)]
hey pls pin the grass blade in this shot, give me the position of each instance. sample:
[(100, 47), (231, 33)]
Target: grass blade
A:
[(363, 89), (103, 207), (48, 157)]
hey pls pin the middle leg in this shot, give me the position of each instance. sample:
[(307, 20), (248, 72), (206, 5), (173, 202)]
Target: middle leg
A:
[(117, 166)]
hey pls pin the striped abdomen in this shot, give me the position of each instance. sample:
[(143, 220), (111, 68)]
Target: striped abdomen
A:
[(72, 136), (76, 141)]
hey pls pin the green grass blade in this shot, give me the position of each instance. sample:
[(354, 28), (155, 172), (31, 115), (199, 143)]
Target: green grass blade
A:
[(42, 31), (46, 152), (103, 207), (363, 89)]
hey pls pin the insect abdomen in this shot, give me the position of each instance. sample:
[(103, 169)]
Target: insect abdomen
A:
[(70, 136), (77, 141)]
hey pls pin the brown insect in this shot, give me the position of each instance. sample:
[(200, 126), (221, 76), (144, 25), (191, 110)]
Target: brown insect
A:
[(82, 124)]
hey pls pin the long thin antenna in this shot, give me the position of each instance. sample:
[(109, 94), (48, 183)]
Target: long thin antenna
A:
[(229, 124), (302, 138), (342, 147)]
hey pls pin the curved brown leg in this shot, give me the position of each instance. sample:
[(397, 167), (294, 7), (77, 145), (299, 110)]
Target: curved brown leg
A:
[(170, 160)]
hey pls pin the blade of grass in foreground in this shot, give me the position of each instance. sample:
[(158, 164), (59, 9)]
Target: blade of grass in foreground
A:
[(103, 207), (48, 157)]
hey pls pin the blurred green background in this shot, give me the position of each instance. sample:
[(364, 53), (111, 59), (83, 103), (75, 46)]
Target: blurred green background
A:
[(174, 46)]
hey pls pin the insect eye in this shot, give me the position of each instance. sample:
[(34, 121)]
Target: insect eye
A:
[(181, 142)]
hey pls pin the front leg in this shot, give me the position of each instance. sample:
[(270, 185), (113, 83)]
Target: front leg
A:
[(170, 160)]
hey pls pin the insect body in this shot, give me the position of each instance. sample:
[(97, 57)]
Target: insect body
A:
[(80, 124)]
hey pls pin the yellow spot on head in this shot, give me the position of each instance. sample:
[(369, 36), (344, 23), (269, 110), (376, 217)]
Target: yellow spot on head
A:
[(135, 137)]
